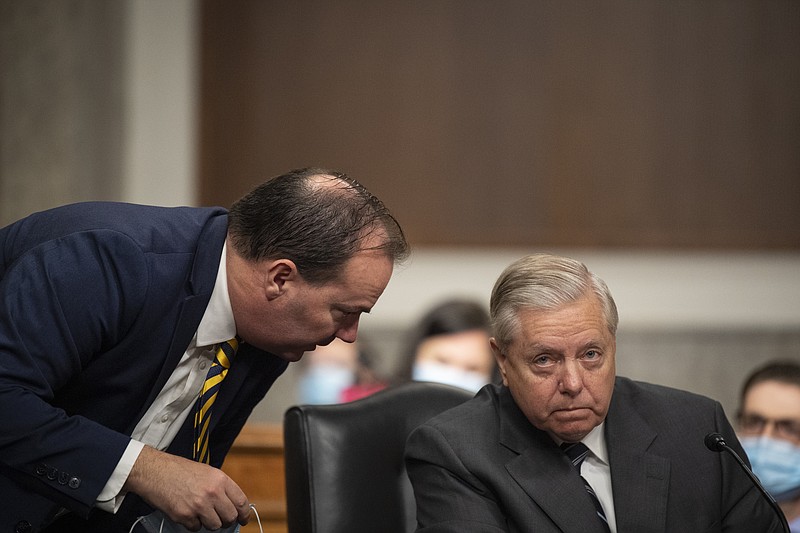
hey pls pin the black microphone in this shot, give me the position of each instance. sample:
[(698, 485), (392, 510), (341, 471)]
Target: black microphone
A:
[(716, 443)]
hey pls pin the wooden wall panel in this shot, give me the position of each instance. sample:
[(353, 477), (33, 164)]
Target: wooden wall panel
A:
[(256, 463), (519, 123)]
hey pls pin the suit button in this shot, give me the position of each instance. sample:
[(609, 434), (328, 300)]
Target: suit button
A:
[(23, 526), (74, 482)]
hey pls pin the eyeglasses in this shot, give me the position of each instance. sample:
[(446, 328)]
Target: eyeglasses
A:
[(788, 429)]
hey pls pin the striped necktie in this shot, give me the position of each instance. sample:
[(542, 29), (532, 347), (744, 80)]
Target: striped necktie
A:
[(202, 418), (577, 451)]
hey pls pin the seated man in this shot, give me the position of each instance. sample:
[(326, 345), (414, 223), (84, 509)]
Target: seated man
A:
[(769, 427), (563, 445)]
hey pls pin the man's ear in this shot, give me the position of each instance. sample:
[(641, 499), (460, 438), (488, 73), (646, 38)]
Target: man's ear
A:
[(278, 277), (501, 359)]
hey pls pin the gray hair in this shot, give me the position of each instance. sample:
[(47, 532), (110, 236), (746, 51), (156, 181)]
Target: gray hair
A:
[(541, 282)]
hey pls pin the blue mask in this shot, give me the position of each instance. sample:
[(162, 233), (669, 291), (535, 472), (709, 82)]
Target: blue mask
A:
[(324, 383), (776, 463)]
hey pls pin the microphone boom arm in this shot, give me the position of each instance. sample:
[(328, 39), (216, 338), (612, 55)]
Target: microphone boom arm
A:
[(716, 443)]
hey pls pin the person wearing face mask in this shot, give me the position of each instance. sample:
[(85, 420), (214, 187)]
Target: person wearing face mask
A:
[(450, 345), (769, 430), (337, 373)]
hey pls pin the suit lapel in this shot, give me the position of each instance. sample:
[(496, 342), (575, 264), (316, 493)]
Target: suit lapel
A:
[(545, 473), (553, 484), (639, 478), (200, 285)]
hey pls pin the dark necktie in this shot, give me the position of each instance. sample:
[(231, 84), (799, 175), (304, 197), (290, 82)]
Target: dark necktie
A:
[(208, 395), (577, 451)]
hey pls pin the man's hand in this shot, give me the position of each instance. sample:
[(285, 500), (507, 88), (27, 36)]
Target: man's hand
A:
[(190, 493)]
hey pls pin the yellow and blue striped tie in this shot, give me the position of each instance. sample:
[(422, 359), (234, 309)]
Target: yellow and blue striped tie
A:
[(202, 418)]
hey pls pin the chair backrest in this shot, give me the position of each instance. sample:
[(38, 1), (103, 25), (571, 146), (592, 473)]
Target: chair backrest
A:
[(344, 463)]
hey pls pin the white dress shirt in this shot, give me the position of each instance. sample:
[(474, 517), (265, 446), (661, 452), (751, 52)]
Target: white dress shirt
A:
[(597, 472), (178, 398)]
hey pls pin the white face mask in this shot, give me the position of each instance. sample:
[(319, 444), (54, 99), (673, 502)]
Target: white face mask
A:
[(157, 522), (449, 375), (324, 383)]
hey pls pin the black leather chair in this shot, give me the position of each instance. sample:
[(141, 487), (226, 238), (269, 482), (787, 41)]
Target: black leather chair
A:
[(344, 462)]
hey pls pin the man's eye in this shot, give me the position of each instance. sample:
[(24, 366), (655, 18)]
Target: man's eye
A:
[(543, 360), (593, 356)]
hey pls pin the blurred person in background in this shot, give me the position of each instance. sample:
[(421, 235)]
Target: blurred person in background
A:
[(337, 373), (450, 344), (769, 430)]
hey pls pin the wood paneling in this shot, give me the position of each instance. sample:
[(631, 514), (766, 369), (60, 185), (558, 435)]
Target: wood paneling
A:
[(256, 464), (532, 123)]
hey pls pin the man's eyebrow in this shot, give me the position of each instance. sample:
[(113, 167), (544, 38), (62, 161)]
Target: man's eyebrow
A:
[(540, 347), (536, 347)]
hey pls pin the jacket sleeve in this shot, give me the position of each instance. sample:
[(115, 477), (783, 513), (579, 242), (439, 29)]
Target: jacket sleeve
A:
[(62, 303)]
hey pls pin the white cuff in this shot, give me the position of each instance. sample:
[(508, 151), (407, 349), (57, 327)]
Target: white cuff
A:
[(110, 498)]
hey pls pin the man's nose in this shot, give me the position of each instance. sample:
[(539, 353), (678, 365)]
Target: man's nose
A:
[(348, 332), (770, 429), (571, 378)]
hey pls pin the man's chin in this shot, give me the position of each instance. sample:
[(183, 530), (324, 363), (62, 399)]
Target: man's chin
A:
[(571, 435), (290, 355), (574, 427)]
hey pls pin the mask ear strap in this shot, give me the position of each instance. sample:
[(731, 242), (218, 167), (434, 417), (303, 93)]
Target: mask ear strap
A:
[(160, 529), (134, 524), (258, 518)]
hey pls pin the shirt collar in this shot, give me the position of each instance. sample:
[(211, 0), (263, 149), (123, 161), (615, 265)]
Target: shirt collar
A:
[(217, 324), (596, 442)]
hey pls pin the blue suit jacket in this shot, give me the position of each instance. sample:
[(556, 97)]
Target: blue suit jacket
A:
[(98, 301), (482, 467)]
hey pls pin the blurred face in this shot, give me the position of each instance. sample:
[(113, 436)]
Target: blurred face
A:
[(330, 371), (465, 350), (560, 368), (771, 408), (278, 311)]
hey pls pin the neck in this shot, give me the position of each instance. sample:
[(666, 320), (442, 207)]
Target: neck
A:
[(791, 509)]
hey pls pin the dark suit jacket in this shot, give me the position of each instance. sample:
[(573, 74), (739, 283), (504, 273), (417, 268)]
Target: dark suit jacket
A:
[(98, 301), (483, 467)]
